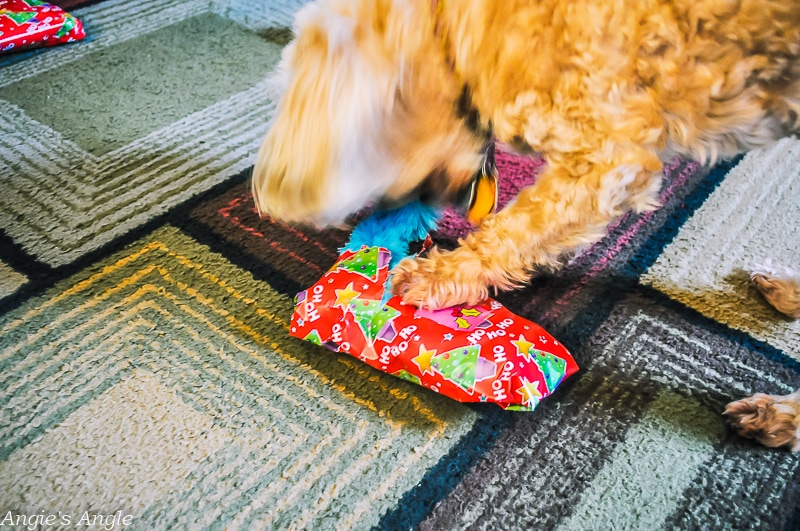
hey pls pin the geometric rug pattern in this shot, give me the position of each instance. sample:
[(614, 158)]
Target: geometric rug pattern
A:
[(80, 183), (183, 367), (146, 367), (645, 440), (749, 219)]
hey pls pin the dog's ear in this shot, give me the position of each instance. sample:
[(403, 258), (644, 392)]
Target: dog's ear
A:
[(293, 158), (322, 158)]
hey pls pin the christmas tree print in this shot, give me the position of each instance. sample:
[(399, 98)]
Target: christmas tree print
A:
[(20, 17), (374, 318), (364, 311), (69, 25), (381, 320), (314, 337), (405, 375), (29, 23), (458, 365), (364, 262), (552, 367)]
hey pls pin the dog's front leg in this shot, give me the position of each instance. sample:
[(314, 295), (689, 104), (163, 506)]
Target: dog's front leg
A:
[(568, 207)]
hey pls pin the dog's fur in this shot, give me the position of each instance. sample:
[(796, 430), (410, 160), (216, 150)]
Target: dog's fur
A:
[(369, 108), (384, 100)]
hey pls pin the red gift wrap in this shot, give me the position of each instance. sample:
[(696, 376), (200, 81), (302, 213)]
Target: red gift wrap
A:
[(31, 23), (481, 353)]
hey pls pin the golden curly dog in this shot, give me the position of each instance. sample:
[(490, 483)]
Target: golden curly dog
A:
[(388, 100)]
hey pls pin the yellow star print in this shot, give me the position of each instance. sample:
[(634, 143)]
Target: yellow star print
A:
[(423, 360), (523, 347), (344, 296), (530, 392)]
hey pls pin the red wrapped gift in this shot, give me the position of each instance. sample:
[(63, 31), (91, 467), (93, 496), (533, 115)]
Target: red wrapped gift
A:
[(480, 353), (30, 23)]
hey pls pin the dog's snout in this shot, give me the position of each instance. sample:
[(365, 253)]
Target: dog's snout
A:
[(440, 188)]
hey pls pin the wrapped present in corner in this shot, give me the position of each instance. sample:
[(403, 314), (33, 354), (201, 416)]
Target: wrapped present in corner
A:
[(31, 23)]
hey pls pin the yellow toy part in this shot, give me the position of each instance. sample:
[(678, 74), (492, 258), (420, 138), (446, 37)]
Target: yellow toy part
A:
[(483, 197)]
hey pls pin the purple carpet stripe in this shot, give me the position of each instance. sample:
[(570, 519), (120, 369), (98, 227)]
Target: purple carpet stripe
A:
[(603, 253), (246, 201), (515, 172), (301, 254), (600, 258)]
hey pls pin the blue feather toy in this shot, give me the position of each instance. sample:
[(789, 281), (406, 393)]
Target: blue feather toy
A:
[(394, 230)]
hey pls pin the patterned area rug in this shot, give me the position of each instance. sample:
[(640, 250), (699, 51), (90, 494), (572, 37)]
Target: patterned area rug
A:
[(147, 374)]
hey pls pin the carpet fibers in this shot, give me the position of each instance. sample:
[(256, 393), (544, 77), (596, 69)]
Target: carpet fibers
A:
[(147, 373)]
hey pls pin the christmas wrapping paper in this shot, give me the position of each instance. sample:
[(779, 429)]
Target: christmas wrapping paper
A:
[(481, 353), (31, 23)]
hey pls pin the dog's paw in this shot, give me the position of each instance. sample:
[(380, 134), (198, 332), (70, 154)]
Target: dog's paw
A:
[(439, 281), (771, 420), (780, 286)]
